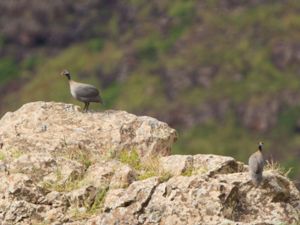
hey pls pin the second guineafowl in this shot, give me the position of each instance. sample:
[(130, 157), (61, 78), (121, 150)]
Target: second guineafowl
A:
[(256, 165), (83, 92)]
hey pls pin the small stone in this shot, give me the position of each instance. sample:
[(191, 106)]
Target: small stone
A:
[(123, 177)]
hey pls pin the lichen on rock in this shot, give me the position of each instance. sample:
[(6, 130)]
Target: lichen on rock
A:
[(61, 166)]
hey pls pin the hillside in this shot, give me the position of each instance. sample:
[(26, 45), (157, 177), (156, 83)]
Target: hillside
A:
[(223, 73)]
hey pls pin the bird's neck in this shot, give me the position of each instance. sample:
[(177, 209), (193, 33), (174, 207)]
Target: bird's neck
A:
[(68, 76)]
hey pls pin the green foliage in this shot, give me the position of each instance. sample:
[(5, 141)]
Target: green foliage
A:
[(63, 186), (147, 50), (16, 153), (94, 208), (188, 172), (184, 10), (147, 87), (148, 168), (2, 156), (111, 94), (82, 156), (131, 158), (164, 177), (287, 121), (2, 41), (182, 37), (98, 202), (8, 70), (95, 44), (30, 63)]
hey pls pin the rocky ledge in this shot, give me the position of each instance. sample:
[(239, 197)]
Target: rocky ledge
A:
[(61, 166)]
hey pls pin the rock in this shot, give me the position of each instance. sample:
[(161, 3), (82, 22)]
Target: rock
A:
[(34, 165), (56, 168), (214, 164), (44, 167), (200, 164), (135, 196), (101, 173), (21, 187), (18, 211), (123, 177), (3, 168), (55, 216), (83, 197), (176, 164), (50, 126), (57, 199), (132, 201), (68, 170), (222, 199)]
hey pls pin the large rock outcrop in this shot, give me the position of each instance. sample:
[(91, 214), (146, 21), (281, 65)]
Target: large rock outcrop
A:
[(45, 182), (49, 126)]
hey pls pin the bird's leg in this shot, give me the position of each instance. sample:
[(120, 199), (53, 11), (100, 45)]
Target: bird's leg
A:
[(87, 106)]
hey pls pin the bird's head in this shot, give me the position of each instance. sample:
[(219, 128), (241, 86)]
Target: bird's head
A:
[(66, 73), (260, 145)]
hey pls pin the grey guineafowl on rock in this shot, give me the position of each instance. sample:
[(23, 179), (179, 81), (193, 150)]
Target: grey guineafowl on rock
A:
[(256, 165), (83, 92)]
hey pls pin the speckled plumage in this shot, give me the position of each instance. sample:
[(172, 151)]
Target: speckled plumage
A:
[(256, 166), (83, 92)]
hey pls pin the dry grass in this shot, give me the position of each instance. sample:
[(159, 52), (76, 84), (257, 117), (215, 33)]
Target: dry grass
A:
[(63, 186), (16, 153), (147, 168), (95, 208), (275, 166), (82, 156)]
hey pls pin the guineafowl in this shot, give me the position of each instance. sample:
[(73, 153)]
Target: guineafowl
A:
[(256, 165), (83, 92)]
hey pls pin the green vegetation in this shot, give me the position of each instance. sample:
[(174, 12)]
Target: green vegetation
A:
[(82, 156), (2, 156), (63, 186), (8, 70), (98, 202), (188, 172), (16, 153), (181, 61), (96, 44), (146, 169), (94, 208), (131, 158)]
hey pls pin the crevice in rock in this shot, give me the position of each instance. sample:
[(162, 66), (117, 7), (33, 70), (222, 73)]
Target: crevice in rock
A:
[(146, 202)]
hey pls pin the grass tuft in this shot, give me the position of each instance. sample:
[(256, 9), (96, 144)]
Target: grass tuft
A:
[(131, 158), (16, 153), (2, 156), (188, 172), (94, 208), (275, 166), (82, 156), (66, 186), (99, 200), (145, 169)]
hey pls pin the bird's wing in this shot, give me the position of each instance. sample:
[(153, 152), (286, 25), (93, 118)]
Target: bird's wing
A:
[(256, 162), (86, 90), (253, 164)]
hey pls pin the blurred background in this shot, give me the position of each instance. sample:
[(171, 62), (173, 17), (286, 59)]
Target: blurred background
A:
[(224, 73)]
